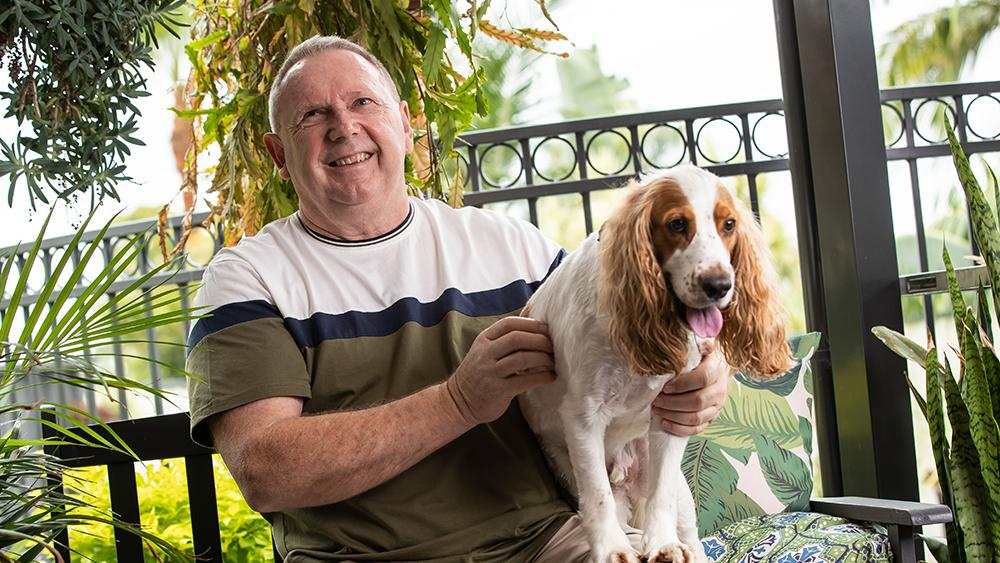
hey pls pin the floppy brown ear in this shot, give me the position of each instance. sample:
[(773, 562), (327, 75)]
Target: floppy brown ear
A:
[(643, 325), (753, 334)]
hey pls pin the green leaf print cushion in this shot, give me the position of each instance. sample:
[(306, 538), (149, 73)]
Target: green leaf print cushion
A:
[(751, 477), (754, 459)]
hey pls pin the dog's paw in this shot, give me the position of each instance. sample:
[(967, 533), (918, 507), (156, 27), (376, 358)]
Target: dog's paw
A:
[(628, 556), (616, 552), (672, 553)]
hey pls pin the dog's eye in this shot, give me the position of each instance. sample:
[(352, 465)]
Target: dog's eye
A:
[(729, 225), (677, 225)]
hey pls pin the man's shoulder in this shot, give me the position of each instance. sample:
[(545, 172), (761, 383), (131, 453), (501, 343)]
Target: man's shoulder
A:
[(486, 223), (263, 247)]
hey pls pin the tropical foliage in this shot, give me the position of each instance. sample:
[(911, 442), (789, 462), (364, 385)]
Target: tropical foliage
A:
[(763, 435), (936, 46), (237, 48), (60, 340), (967, 465), (75, 72)]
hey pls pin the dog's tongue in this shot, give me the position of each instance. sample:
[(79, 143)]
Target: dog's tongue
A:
[(706, 323)]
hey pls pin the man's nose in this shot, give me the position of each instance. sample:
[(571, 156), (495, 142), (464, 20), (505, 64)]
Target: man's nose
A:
[(342, 125)]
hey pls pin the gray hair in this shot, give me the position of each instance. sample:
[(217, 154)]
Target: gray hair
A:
[(314, 46)]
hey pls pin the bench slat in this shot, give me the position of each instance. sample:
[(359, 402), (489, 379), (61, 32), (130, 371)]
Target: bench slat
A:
[(125, 505), (204, 511)]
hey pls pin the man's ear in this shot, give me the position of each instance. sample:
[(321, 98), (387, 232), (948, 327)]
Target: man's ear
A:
[(277, 151), (404, 114)]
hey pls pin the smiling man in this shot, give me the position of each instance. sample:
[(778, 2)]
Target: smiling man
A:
[(357, 371)]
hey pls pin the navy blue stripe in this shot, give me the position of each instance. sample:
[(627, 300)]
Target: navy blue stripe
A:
[(229, 315), (354, 324), (555, 264)]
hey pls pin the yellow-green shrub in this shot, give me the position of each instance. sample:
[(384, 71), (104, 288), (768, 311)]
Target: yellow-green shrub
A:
[(164, 510)]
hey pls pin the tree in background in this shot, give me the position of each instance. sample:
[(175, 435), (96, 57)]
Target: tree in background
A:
[(936, 46)]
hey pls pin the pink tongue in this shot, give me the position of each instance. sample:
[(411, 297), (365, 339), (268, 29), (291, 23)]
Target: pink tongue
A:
[(706, 323)]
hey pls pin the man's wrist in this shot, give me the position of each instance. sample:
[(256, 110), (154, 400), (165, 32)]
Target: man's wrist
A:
[(451, 407)]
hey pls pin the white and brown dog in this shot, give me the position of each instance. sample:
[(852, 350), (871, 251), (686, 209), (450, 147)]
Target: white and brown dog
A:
[(678, 266)]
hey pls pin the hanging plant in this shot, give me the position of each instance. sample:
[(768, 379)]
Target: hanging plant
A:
[(238, 47), (75, 71)]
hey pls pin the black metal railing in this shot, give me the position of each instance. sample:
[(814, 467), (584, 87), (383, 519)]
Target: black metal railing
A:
[(524, 164)]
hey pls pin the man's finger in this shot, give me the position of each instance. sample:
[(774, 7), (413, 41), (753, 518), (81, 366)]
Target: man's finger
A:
[(518, 340), (523, 361), (690, 381), (508, 324), (680, 429), (531, 380), (692, 401), (685, 418)]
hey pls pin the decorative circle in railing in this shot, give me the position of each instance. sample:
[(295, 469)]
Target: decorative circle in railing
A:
[(119, 244), (660, 137), (200, 247), (551, 159), (768, 131), (916, 119), (982, 115), (501, 165), (608, 152), (739, 140), (892, 123)]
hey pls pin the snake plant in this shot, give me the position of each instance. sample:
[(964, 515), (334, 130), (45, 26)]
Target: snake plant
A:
[(967, 460)]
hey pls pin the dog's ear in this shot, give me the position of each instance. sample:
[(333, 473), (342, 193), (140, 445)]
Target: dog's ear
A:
[(643, 325), (753, 334)]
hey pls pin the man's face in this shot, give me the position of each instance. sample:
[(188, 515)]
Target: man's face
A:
[(342, 136)]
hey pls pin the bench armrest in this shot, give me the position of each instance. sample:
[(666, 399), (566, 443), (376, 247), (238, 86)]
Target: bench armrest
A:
[(898, 512)]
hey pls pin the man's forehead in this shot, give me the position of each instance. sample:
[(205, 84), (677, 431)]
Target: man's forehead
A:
[(334, 71)]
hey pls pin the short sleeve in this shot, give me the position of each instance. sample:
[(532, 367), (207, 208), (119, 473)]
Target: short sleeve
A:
[(240, 351), (544, 254)]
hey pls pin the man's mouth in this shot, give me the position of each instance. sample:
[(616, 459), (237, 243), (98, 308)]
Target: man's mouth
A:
[(349, 160)]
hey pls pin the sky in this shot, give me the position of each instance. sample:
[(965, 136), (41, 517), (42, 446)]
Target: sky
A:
[(674, 54)]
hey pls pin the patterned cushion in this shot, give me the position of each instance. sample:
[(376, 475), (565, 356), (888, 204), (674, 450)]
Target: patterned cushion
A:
[(798, 537), (754, 459)]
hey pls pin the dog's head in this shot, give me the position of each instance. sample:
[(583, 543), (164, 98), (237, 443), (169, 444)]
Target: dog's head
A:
[(683, 254)]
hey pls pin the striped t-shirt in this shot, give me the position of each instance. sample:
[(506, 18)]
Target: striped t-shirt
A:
[(352, 324)]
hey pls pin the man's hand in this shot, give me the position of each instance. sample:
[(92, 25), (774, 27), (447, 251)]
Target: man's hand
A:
[(511, 356), (690, 401)]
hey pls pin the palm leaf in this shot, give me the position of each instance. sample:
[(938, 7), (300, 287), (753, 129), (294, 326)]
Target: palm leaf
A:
[(711, 478)]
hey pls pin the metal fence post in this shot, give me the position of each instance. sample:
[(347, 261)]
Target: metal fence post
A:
[(844, 164)]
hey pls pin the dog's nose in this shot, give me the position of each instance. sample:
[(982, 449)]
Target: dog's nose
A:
[(716, 287)]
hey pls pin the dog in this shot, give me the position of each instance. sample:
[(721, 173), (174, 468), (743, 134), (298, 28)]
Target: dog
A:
[(679, 268)]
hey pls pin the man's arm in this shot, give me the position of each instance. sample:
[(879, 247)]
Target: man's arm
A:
[(282, 459)]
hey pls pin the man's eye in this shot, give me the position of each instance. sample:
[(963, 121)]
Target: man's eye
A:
[(310, 113), (364, 101)]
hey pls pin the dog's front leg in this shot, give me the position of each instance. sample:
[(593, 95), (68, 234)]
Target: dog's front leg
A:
[(660, 541), (585, 442)]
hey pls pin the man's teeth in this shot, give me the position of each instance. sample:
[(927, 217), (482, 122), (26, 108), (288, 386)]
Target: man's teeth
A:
[(353, 159)]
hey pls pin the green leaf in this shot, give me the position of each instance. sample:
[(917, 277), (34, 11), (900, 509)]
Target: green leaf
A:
[(942, 551), (901, 344), (433, 53), (788, 476), (971, 505), (984, 223), (934, 412), (750, 412), (711, 478)]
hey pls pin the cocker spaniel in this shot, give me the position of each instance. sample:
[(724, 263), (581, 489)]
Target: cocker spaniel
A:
[(679, 267)]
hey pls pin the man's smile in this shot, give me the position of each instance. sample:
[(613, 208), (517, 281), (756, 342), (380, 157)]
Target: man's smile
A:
[(351, 159)]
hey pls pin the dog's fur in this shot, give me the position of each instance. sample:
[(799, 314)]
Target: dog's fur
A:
[(615, 310)]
